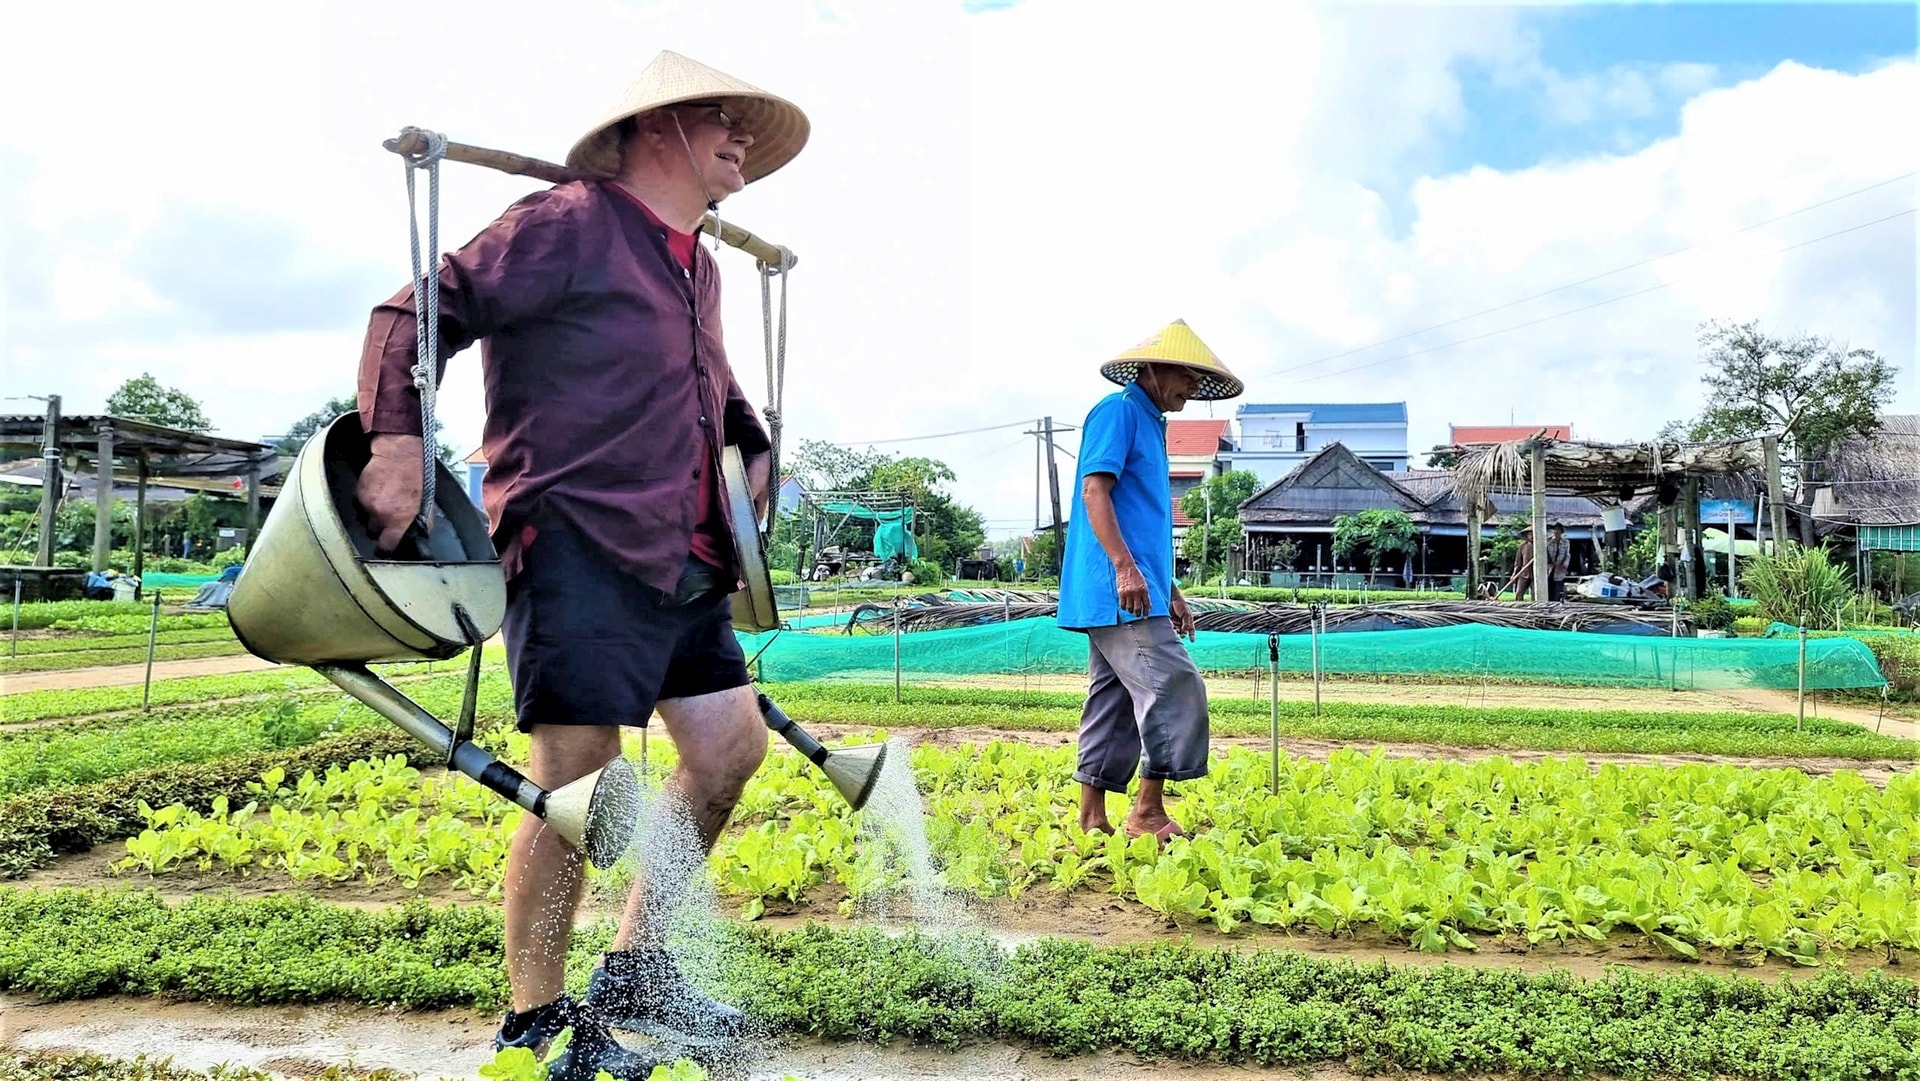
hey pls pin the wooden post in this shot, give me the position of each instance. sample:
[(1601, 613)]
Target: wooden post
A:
[(50, 480), (253, 503), (1473, 550), (140, 519), (1771, 446), (103, 499), (1539, 522), (1690, 536)]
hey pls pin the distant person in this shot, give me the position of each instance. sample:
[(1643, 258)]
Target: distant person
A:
[(1145, 695), (1522, 581), (1559, 561)]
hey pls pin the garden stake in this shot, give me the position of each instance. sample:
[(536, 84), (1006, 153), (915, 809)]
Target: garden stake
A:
[(13, 650), (1801, 725), (1273, 657), (153, 631)]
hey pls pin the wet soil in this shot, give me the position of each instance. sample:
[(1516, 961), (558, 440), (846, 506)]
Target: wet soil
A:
[(299, 1042)]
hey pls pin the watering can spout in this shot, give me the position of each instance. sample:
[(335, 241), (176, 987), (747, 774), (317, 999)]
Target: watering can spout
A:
[(853, 770), (596, 814)]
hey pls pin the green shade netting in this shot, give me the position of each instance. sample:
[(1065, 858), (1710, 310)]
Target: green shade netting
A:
[(892, 532), (1039, 646), (156, 580)]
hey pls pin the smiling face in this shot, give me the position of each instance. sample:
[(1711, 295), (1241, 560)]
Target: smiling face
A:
[(1169, 385), (717, 143)]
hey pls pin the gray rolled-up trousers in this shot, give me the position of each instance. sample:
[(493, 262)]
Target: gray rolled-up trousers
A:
[(1144, 696)]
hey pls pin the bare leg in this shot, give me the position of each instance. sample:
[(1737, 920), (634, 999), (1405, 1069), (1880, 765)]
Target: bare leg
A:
[(1093, 809), (545, 874), (721, 739), (1149, 813)]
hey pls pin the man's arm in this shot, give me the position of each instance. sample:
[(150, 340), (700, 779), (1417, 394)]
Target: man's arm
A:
[(516, 266), (1096, 494)]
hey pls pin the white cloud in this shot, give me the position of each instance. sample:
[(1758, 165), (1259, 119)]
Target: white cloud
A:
[(990, 205)]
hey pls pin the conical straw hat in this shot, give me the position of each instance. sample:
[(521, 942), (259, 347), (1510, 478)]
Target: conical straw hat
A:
[(778, 126), (1177, 344)]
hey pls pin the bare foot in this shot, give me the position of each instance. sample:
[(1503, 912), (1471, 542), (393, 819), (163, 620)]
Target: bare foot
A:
[(1161, 826)]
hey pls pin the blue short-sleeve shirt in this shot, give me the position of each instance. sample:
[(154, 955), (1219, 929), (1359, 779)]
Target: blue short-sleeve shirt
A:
[(1126, 435)]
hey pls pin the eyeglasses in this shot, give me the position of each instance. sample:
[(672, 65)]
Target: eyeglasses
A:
[(727, 120)]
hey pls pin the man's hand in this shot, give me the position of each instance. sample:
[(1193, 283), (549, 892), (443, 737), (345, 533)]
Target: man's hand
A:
[(389, 489), (1182, 615), (759, 469), (1133, 590)]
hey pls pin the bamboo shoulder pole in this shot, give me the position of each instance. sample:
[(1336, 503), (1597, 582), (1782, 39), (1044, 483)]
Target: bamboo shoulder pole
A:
[(413, 141)]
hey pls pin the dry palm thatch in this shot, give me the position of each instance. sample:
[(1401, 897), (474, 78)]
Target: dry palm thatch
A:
[(1604, 469), (1875, 480)]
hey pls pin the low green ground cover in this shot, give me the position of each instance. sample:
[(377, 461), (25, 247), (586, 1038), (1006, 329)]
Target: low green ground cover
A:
[(1165, 1000)]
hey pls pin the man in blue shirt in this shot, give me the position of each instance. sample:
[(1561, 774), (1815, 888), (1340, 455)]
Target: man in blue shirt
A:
[(1116, 585)]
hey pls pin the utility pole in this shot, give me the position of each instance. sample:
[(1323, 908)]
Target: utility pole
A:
[(1770, 445), (50, 480), (1053, 482)]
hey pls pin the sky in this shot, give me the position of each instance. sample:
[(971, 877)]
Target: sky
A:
[(1489, 213)]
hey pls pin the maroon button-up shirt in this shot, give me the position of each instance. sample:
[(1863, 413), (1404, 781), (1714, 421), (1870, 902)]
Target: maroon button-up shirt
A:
[(608, 391)]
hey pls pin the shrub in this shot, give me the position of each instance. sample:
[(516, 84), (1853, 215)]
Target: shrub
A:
[(1750, 626), (927, 573), (1797, 584), (1712, 613)]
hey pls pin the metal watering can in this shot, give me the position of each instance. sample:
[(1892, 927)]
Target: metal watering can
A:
[(315, 592)]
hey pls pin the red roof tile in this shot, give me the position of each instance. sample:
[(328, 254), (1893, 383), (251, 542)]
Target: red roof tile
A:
[(1179, 516), (1464, 434), (1195, 436)]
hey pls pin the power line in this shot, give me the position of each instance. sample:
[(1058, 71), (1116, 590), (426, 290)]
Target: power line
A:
[(1585, 307), (1593, 278), (936, 435)]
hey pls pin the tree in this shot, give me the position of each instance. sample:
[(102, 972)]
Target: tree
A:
[(950, 529), (1811, 392), (825, 467), (303, 429), (1380, 532), (946, 528), (142, 398), (1205, 546)]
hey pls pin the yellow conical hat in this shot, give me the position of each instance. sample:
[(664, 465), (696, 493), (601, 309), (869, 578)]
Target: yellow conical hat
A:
[(779, 128), (1177, 344)]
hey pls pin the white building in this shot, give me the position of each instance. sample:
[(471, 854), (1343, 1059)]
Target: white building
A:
[(1271, 440)]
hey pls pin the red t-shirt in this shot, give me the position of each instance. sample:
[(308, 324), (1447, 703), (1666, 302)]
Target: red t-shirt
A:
[(712, 543)]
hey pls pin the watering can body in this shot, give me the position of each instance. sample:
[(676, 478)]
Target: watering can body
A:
[(313, 591)]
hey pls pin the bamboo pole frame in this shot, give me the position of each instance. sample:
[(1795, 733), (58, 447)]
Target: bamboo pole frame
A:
[(413, 141)]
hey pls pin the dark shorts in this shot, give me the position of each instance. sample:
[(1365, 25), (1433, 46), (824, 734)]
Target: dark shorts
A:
[(589, 644)]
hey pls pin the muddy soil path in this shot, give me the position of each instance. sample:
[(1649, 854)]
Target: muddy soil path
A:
[(299, 1042), (1887, 722), (122, 675)]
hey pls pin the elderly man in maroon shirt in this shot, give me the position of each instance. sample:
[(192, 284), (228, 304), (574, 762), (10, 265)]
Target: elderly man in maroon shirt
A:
[(609, 399)]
